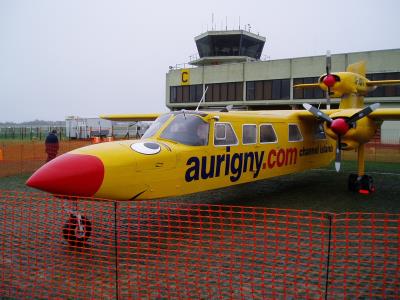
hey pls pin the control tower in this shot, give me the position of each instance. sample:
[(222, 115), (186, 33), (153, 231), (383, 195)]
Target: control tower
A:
[(230, 46)]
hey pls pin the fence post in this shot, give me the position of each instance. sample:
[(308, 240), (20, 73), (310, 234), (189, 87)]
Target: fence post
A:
[(116, 250), (328, 256)]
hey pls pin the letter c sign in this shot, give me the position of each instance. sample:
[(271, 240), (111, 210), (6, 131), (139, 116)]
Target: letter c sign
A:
[(185, 77)]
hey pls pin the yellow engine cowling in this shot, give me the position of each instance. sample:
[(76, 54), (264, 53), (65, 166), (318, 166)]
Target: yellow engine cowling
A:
[(363, 131), (346, 83)]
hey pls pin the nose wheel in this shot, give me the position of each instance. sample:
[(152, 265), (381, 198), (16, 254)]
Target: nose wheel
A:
[(77, 230)]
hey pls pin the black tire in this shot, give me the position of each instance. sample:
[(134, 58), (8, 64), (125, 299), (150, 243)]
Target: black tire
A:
[(353, 184), (71, 231), (367, 183)]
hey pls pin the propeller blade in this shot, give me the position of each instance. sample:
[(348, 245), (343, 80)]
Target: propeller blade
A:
[(227, 108), (338, 158), (364, 112), (328, 98), (328, 62), (316, 112)]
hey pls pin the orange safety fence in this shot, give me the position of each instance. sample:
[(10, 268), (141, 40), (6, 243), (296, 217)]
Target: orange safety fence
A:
[(24, 157), (377, 152), (169, 250)]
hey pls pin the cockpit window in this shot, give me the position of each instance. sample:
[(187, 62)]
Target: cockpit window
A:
[(188, 130), (157, 124)]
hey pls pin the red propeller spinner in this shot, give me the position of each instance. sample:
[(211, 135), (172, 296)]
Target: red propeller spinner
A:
[(329, 80), (340, 126)]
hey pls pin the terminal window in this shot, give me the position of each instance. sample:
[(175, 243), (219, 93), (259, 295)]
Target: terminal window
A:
[(385, 91), (226, 91), (277, 89), (186, 93), (309, 93)]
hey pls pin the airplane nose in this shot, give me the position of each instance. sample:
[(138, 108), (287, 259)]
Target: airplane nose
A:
[(69, 174)]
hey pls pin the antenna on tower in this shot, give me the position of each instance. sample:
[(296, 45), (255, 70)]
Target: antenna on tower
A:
[(239, 22), (212, 21)]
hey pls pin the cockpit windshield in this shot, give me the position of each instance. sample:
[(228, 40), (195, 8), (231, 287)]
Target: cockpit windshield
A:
[(157, 124), (188, 130)]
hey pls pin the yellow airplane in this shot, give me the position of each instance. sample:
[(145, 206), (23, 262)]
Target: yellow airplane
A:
[(186, 152)]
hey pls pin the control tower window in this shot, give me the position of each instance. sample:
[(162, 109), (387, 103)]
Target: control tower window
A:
[(251, 47), (223, 45), (230, 45), (226, 45)]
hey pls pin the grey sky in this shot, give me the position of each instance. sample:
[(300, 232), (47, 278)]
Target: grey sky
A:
[(89, 57)]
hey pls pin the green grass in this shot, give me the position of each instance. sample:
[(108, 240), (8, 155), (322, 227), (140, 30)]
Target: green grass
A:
[(318, 190)]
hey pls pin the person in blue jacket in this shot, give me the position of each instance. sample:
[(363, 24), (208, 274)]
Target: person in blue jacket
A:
[(52, 145)]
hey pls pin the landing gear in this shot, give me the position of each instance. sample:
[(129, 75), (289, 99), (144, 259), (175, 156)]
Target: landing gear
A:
[(361, 184), (77, 230)]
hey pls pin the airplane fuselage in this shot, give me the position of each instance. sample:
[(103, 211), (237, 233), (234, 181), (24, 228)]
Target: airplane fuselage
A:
[(170, 160)]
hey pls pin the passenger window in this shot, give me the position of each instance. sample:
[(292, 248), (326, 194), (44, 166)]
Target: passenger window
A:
[(249, 134), (319, 133), (224, 135), (267, 134), (220, 131), (294, 133)]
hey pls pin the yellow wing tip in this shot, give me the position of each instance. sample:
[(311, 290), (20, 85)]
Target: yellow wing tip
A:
[(131, 117)]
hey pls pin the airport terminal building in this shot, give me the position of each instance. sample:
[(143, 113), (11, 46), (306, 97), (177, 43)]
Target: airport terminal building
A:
[(229, 67)]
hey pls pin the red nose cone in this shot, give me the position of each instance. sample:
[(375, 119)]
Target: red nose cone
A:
[(69, 174), (339, 126), (329, 80)]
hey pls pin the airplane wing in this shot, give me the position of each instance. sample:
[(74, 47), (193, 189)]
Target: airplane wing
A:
[(307, 85), (385, 114), (380, 114), (382, 82), (131, 117), (305, 114)]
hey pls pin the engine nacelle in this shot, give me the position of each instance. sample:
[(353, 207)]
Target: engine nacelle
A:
[(360, 132)]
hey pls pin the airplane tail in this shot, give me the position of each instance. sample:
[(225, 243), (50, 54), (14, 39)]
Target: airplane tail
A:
[(358, 67)]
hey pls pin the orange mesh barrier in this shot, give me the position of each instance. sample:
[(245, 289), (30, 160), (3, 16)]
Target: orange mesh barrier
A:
[(164, 250), (19, 158)]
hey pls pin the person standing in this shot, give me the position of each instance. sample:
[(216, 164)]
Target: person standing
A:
[(51, 145)]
